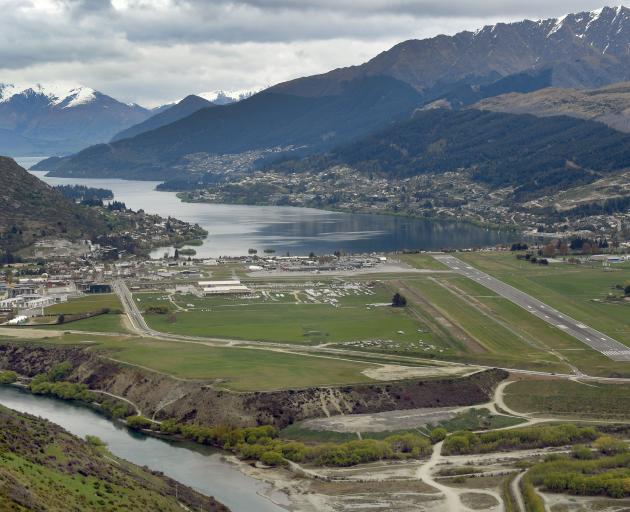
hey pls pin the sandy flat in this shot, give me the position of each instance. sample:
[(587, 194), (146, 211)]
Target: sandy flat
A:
[(398, 372), (25, 332), (382, 421)]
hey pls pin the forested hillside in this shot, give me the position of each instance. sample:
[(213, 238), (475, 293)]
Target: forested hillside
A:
[(531, 154)]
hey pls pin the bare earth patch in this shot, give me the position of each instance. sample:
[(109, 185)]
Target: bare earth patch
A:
[(382, 421), (396, 372), (478, 501), (19, 332)]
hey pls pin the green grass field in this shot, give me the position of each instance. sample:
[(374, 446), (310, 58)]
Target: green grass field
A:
[(592, 400), (425, 261), (285, 320), (101, 323), (86, 304), (240, 369), (501, 337)]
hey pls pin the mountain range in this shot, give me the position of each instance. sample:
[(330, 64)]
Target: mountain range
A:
[(189, 105), (53, 119), (317, 113), (587, 49)]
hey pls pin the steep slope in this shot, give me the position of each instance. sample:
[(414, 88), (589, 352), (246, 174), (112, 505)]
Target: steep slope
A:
[(265, 120), (189, 105), (30, 209), (530, 154), (587, 49), (62, 119), (45, 468), (609, 105)]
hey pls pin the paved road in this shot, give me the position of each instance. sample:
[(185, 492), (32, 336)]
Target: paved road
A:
[(596, 340)]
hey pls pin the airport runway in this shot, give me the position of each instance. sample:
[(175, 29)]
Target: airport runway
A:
[(596, 340)]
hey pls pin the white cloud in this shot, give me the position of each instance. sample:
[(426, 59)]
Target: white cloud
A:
[(154, 51)]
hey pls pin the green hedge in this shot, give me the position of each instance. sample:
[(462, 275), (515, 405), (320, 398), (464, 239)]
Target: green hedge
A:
[(262, 443), (517, 439)]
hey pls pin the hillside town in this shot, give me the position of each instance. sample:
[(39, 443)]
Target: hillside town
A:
[(450, 195)]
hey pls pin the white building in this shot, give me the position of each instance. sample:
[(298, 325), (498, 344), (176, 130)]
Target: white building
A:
[(222, 287)]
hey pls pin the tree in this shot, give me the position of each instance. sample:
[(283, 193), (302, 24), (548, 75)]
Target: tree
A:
[(8, 377), (176, 256), (138, 422), (438, 434), (549, 250), (399, 301), (271, 458)]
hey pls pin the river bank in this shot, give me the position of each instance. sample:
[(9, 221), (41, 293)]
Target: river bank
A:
[(204, 469)]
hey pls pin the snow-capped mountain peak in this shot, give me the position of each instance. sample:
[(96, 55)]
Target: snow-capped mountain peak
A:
[(585, 22), (57, 95), (223, 97)]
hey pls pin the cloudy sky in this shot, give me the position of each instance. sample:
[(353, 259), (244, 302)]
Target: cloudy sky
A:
[(155, 51)]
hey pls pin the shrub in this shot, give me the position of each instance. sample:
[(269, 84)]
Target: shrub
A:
[(95, 441), (8, 377), (582, 452), (533, 502), (59, 372), (169, 426), (138, 422), (157, 310), (609, 445), (64, 390), (438, 434), (271, 458), (515, 439)]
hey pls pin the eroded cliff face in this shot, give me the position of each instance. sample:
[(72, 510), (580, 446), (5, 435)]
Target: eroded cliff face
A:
[(162, 396)]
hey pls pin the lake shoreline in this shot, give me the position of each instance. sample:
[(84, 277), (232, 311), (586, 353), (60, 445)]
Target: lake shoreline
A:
[(484, 225), (234, 229)]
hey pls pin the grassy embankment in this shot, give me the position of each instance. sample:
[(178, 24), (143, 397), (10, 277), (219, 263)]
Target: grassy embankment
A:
[(43, 467), (558, 397)]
